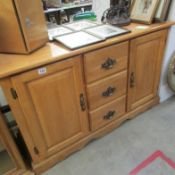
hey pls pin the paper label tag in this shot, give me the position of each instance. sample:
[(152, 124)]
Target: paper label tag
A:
[(142, 27), (42, 71)]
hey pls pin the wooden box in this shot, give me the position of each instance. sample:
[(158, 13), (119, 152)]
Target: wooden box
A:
[(22, 26)]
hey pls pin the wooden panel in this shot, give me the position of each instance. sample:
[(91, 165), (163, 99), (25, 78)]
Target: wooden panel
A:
[(52, 108), (18, 114), (107, 113), (96, 90), (39, 168), (11, 147), (1, 147), (93, 61), (145, 65), (10, 35), (33, 23)]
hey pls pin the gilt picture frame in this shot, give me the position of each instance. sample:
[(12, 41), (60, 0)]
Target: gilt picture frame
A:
[(144, 10), (162, 10), (171, 74)]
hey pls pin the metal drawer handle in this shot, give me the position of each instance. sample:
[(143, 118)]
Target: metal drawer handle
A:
[(109, 64), (132, 80), (82, 102), (109, 92), (109, 115)]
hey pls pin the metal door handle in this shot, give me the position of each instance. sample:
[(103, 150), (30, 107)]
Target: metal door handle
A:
[(109, 115), (132, 80), (82, 102), (109, 92), (109, 64)]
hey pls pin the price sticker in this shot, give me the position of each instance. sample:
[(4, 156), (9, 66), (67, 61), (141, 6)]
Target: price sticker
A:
[(42, 71)]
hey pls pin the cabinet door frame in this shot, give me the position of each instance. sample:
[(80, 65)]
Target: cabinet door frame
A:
[(11, 148), (161, 36), (20, 114)]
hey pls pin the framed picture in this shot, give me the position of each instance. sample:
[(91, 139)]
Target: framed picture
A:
[(131, 5), (58, 31), (80, 25), (106, 31), (78, 39), (171, 74), (162, 10), (144, 10)]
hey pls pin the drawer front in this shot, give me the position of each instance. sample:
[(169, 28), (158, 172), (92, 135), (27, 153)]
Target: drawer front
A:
[(103, 62), (107, 113), (105, 90)]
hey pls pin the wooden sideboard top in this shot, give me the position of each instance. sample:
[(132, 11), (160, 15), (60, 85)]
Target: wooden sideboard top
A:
[(11, 64)]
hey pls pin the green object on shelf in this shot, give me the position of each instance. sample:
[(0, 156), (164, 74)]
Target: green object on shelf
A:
[(85, 15)]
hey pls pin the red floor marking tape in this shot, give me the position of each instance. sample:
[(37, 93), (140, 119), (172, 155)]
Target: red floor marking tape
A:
[(149, 160)]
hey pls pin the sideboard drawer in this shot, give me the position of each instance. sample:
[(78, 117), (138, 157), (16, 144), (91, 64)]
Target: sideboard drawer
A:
[(107, 113), (103, 62), (105, 90)]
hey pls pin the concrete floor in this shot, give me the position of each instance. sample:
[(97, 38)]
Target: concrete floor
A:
[(125, 148)]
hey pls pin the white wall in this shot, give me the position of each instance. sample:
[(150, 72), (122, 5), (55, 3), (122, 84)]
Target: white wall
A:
[(164, 91), (2, 98), (99, 6)]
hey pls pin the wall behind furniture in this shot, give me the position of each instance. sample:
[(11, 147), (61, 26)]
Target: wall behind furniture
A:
[(99, 6), (165, 91), (2, 98)]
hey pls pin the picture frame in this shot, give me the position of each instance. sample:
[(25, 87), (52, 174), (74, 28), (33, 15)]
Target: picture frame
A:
[(78, 39), (106, 31), (80, 25), (58, 31), (171, 73), (162, 10), (144, 10), (131, 5)]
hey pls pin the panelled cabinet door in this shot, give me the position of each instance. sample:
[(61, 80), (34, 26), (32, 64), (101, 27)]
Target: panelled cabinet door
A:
[(53, 104), (144, 68)]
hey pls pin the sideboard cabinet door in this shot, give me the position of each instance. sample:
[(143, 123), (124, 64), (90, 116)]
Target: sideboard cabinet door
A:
[(53, 104), (146, 55)]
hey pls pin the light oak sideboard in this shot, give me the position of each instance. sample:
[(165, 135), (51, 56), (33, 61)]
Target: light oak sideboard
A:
[(62, 99)]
